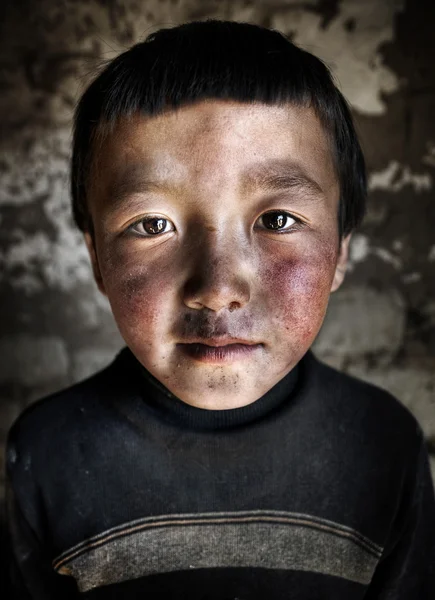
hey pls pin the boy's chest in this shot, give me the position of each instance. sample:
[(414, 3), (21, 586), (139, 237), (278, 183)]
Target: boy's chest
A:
[(143, 507)]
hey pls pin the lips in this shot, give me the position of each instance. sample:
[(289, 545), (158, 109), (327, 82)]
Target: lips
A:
[(216, 351), (220, 341)]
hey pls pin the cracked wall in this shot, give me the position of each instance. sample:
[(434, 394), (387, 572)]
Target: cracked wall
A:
[(55, 327)]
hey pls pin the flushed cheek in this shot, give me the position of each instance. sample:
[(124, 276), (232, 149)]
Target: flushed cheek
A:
[(140, 297), (299, 290)]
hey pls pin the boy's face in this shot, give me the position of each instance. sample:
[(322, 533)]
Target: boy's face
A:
[(216, 224)]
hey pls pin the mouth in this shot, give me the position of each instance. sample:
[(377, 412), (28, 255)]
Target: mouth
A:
[(220, 340), (220, 349)]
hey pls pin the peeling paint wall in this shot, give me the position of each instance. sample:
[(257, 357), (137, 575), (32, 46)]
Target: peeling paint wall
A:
[(55, 327)]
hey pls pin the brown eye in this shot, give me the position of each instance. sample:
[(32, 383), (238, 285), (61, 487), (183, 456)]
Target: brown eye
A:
[(278, 221), (151, 226)]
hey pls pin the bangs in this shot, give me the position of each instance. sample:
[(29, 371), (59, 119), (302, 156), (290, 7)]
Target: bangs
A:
[(211, 60)]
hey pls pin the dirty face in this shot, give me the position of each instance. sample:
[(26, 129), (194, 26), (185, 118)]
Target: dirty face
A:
[(216, 242)]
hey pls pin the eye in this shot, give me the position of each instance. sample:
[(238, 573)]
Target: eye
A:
[(279, 221), (151, 226)]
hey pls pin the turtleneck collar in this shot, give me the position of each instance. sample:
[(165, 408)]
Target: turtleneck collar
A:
[(173, 409)]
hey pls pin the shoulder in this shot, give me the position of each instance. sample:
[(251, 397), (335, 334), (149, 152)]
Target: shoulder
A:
[(47, 421), (360, 405)]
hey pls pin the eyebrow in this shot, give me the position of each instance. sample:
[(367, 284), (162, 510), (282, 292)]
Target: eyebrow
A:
[(279, 176), (270, 176), (133, 179)]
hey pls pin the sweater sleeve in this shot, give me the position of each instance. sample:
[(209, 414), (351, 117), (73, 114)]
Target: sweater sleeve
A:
[(30, 573), (407, 569)]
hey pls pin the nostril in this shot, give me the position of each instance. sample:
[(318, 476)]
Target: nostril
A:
[(233, 306)]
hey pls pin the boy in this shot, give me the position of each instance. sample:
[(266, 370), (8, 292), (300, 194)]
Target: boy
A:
[(217, 177)]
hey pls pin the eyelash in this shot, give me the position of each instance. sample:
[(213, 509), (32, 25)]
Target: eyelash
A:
[(296, 226)]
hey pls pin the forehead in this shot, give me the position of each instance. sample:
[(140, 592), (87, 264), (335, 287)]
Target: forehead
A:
[(215, 144)]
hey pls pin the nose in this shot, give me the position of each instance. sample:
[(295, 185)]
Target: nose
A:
[(219, 279)]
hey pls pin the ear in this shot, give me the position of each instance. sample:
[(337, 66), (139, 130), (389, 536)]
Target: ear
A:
[(340, 269), (94, 261)]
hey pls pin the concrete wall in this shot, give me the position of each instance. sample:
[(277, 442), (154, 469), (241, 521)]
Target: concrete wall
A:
[(55, 328)]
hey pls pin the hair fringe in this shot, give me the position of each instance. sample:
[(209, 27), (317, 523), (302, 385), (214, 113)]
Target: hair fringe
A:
[(216, 59)]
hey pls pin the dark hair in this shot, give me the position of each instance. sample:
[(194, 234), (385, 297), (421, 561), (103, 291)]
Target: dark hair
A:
[(225, 60)]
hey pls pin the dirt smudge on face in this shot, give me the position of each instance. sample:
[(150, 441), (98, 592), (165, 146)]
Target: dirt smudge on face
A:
[(217, 273)]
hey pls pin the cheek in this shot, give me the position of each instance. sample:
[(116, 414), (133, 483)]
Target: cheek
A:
[(298, 290), (139, 295)]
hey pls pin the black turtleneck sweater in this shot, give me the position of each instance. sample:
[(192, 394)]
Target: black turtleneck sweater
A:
[(320, 489)]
